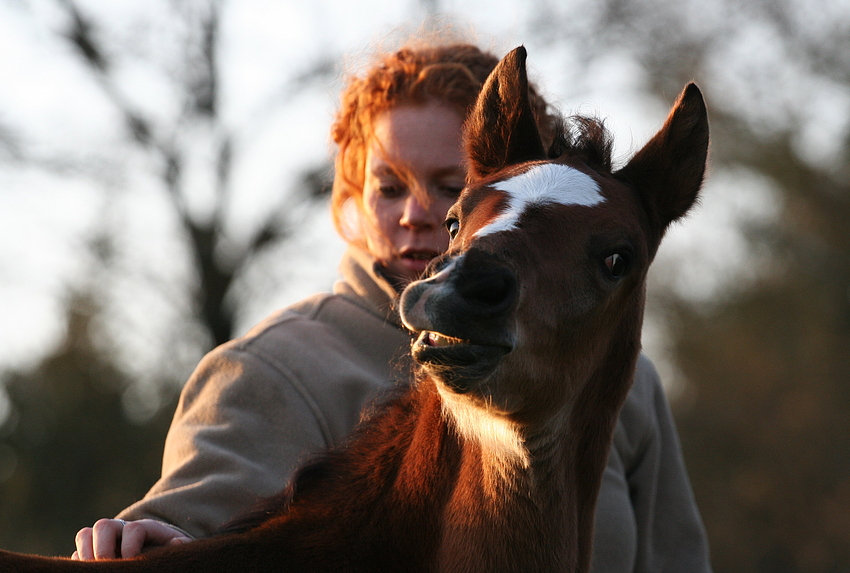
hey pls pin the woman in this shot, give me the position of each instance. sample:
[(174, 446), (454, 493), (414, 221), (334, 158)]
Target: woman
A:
[(297, 382)]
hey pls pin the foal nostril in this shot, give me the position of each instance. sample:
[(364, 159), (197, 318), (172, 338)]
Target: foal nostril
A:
[(490, 287)]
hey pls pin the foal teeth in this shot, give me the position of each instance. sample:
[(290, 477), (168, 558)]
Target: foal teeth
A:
[(436, 339)]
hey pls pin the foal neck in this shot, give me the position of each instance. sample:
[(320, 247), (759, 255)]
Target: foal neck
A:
[(512, 505), (496, 441)]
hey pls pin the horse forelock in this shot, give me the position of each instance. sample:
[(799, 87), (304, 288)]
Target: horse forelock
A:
[(583, 138)]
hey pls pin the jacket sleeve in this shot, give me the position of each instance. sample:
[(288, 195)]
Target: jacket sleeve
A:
[(670, 534), (240, 429), (257, 407)]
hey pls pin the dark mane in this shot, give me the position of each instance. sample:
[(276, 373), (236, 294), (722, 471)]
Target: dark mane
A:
[(585, 138)]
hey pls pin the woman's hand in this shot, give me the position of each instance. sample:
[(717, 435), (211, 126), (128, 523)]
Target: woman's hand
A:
[(116, 538)]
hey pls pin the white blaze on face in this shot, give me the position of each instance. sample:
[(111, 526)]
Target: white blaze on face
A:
[(542, 184)]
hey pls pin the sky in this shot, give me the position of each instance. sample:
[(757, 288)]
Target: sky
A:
[(68, 171)]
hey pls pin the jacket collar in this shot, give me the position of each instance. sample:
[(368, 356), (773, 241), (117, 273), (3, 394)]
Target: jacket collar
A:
[(364, 281)]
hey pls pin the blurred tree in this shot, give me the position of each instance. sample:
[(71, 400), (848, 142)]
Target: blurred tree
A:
[(768, 430), (68, 455), (200, 124), (69, 451)]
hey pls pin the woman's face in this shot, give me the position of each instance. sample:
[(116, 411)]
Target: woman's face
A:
[(415, 146)]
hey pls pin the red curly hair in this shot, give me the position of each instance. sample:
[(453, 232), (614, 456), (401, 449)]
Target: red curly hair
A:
[(451, 74)]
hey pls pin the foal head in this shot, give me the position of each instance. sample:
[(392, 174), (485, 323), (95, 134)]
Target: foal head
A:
[(541, 292)]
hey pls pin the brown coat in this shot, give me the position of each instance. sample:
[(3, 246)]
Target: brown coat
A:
[(296, 383)]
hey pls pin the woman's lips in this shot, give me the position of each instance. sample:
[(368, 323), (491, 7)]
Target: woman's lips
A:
[(417, 259)]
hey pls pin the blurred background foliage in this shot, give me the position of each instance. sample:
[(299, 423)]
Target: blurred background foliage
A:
[(68, 453), (759, 367)]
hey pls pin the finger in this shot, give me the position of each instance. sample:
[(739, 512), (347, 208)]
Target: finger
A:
[(161, 533), (105, 535), (147, 533), (83, 541), (133, 538), (75, 556)]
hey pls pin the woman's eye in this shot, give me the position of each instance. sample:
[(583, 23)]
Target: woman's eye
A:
[(617, 265), (391, 191), (452, 191), (452, 226)]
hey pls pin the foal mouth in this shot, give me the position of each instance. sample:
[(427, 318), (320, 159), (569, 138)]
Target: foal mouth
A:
[(431, 344), (436, 339), (461, 364)]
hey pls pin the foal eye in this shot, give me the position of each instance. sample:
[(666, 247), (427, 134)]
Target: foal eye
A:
[(617, 265), (452, 226)]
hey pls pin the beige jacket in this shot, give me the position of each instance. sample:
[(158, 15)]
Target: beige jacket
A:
[(295, 384)]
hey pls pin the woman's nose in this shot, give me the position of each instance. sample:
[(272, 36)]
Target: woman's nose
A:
[(416, 215)]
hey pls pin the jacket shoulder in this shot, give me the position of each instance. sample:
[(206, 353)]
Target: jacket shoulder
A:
[(331, 320), (638, 423)]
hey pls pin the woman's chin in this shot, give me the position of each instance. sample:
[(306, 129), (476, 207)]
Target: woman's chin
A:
[(414, 267), (405, 269)]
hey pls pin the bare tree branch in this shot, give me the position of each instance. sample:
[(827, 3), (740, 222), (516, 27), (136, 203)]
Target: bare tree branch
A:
[(200, 87)]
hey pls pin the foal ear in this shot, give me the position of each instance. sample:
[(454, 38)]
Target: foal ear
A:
[(668, 171), (501, 130)]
